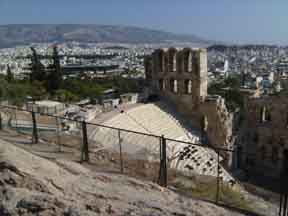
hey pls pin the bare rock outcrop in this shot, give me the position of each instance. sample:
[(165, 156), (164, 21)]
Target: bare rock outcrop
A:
[(31, 185)]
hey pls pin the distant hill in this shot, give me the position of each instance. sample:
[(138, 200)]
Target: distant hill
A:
[(20, 34)]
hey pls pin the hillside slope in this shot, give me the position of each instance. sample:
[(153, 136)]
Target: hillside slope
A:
[(30, 185), (11, 35)]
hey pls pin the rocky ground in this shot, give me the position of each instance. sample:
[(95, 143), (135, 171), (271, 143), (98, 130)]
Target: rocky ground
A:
[(32, 185)]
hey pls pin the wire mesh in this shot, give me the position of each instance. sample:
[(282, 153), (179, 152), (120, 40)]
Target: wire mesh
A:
[(56, 138), (16, 126), (125, 151), (103, 149), (20, 121), (193, 169), (140, 154)]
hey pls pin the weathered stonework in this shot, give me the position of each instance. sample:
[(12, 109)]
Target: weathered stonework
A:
[(265, 135), (219, 121), (181, 77)]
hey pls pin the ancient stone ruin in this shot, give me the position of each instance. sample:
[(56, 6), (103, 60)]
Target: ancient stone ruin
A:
[(180, 76), (264, 135)]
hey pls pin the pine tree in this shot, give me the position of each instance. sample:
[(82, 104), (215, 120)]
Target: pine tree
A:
[(55, 72), (37, 68), (9, 75)]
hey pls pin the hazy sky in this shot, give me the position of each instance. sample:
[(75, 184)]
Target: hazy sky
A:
[(226, 20)]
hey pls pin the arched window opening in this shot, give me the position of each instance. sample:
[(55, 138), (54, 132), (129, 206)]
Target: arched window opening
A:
[(175, 90), (174, 63), (265, 114), (179, 63), (262, 114), (165, 63), (188, 86), (195, 65), (161, 84), (173, 86), (172, 60), (190, 62), (268, 115), (187, 61)]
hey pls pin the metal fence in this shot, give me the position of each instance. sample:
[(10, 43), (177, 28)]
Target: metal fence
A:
[(191, 168)]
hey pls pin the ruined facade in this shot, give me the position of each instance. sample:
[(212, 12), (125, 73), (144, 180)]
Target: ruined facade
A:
[(179, 73), (265, 136), (180, 76)]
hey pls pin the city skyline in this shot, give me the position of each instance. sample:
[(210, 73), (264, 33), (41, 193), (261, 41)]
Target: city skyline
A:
[(238, 22)]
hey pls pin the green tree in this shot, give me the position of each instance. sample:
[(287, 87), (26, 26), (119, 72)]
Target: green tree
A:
[(37, 68), (54, 77), (3, 89), (233, 82), (9, 75), (64, 95), (16, 93), (37, 90)]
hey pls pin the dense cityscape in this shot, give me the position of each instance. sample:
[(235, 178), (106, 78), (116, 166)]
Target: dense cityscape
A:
[(143, 108), (255, 61)]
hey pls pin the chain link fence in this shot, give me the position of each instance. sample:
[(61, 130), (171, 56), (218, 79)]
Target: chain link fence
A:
[(192, 169)]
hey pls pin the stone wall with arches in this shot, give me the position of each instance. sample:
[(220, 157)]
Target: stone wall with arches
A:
[(266, 133), (180, 76)]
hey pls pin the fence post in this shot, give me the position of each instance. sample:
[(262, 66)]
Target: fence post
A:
[(58, 134), (16, 122), (160, 165), (85, 147), (218, 176), (163, 163), (239, 157), (35, 132), (120, 151), (1, 127), (283, 205)]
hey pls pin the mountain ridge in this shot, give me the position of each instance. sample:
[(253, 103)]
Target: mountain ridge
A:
[(22, 34)]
